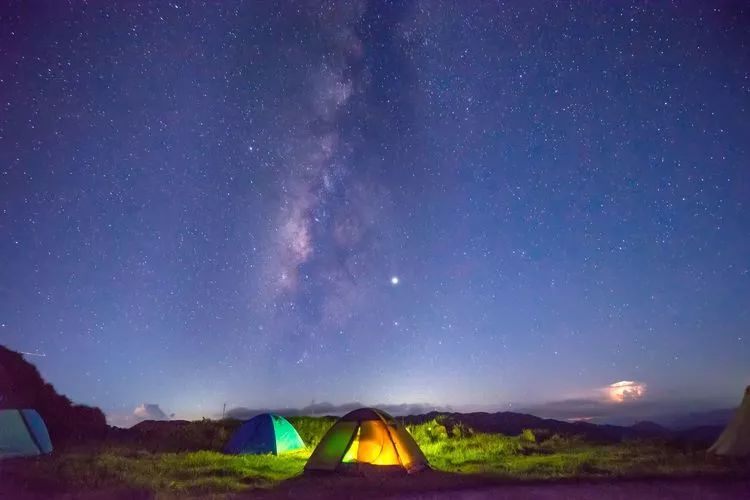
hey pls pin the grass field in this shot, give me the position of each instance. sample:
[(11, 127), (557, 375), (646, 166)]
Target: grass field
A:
[(524, 457)]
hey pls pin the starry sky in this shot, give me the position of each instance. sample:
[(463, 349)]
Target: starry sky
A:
[(449, 203)]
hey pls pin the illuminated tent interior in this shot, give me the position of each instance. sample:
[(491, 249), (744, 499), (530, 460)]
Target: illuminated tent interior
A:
[(366, 436), (23, 434), (265, 433), (734, 441)]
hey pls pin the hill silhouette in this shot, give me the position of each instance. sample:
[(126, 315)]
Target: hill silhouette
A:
[(511, 423), (504, 422), (22, 386)]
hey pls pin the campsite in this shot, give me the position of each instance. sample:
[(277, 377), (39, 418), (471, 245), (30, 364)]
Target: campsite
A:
[(407, 249), (365, 452), (186, 458)]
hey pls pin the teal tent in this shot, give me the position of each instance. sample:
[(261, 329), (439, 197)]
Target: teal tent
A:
[(265, 433), (23, 434)]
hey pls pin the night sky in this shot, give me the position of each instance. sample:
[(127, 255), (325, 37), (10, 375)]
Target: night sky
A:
[(449, 203)]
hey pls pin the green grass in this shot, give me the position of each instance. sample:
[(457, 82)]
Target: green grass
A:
[(458, 450), (194, 472), (522, 457)]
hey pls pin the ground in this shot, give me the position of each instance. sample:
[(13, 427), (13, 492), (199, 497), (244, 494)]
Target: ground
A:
[(465, 464), (664, 489)]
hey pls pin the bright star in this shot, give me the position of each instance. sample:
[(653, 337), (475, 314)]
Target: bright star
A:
[(394, 280)]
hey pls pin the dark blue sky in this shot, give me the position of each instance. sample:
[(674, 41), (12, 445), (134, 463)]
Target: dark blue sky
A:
[(207, 203)]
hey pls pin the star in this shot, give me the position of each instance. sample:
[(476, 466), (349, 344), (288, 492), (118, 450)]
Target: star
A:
[(216, 213)]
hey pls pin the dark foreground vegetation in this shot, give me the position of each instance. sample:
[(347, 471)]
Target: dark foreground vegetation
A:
[(21, 386), (185, 458)]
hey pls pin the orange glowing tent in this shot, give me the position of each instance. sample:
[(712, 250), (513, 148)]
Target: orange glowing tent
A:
[(366, 437)]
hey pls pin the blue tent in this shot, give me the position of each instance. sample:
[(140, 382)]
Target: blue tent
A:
[(23, 434), (265, 433)]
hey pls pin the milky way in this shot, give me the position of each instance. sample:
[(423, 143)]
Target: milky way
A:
[(319, 171), (448, 203)]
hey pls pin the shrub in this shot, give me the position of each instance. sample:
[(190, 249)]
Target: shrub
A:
[(460, 430), (428, 432), (311, 429), (527, 436), (176, 436), (558, 442)]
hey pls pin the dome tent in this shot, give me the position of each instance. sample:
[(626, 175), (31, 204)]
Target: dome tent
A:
[(734, 441), (23, 434), (366, 437), (265, 433)]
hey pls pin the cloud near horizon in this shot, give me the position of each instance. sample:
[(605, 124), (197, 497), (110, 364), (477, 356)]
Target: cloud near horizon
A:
[(625, 399), (625, 390), (326, 409), (144, 411), (150, 411)]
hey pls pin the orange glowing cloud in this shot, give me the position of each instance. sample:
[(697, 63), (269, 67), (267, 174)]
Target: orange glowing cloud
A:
[(625, 390)]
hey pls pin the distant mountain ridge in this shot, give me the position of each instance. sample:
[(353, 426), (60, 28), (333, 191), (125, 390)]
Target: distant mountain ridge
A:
[(512, 423), (719, 417), (674, 421), (330, 409)]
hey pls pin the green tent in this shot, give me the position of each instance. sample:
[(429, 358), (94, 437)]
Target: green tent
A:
[(367, 438), (265, 433), (23, 434)]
